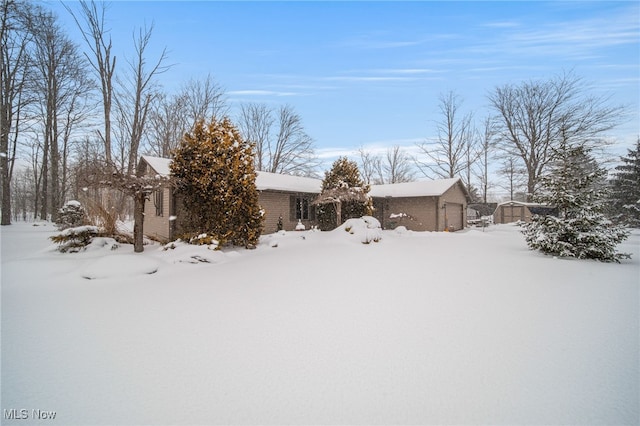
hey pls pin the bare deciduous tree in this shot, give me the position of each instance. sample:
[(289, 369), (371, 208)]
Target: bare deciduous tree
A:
[(103, 63), (370, 167), (167, 125), (203, 100), (397, 168), (256, 121), (137, 186), (171, 116), (514, 174), (486, 147), (15, 66), (532, 116), (62, 87), (135, 96), (448, 155), (282, 145)]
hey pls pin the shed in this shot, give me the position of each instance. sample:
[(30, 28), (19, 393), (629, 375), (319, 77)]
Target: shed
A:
[(514, 211)]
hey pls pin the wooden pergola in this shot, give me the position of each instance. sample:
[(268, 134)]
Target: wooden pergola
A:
[(337, 196)]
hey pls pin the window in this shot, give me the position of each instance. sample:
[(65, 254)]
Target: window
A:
[(158, 201), (302, 208)]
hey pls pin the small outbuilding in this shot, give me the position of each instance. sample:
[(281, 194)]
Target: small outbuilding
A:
[(515, 211)]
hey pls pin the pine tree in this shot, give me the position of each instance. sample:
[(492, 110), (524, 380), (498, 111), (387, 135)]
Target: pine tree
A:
[(344, 195), (71, 215), (625, 189), (575, 187), (215, 179)]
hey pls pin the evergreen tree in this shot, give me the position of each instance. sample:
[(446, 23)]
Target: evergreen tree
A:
[(216, 182), (625, 197), (575, 187), (344, 195), (71, 215)]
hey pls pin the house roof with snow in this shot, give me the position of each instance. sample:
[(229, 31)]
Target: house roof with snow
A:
[(424, 188), (160, 165), (280, 182), (289, 183), (264, 180)]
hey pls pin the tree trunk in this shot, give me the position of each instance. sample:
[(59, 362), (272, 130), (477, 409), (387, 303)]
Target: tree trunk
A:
[(44, 174), (338, 206), (138, 224), (6, 192)]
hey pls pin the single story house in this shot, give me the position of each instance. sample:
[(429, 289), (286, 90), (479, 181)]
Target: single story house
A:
[(436, 205), (514, 211)]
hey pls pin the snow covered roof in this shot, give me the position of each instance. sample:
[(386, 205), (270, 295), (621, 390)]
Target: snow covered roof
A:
[(264, 180), (426, 188), (522, 203), (160, 165), (279, 182)]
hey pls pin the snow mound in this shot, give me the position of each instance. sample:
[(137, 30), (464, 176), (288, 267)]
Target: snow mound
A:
[(118, 266), (366, 229), (401, 230), (182, 252), (101, 244)]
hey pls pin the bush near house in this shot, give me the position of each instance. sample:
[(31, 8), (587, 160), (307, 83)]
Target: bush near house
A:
[(216, 180), (342, 188)]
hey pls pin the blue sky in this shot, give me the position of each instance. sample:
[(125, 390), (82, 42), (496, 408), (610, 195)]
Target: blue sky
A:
[(370, 73)]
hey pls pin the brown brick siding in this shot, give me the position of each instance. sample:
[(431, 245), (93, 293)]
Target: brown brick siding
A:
[(278, 204), (419, 211)]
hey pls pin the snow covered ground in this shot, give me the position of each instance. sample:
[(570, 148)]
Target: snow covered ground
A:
[(318, 328)]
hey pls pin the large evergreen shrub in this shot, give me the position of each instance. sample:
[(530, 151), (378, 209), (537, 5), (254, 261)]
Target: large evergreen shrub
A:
[(343, 183), (625, 189), (575, 186), (215, 179)]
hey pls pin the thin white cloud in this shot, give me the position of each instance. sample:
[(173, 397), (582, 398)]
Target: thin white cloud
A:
[(410, 71), (368, 78), (578, 40), (261, 93), (367, 43), (385, 75), (503, 24), (410, 146)]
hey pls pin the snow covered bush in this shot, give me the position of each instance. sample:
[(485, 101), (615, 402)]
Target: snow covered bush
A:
[(71, 215), (204, 240), (367, 228), (574, 186), (583, 237), (216, 180), (73, 240)]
